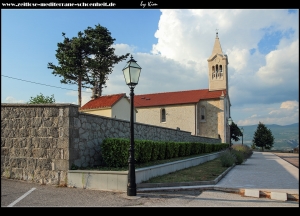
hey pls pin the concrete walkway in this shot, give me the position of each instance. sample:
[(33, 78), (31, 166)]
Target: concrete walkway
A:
[(264, 174)]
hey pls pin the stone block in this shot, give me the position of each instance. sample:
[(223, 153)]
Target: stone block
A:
[(63, 142), (61, 165), (52, 132), (36, 142), (31, 163), (4, 151), (36, 122), (39, 153), (50, 112), (279, 196), (75, 133), (252, 193), (61, 112), (17, 173), (45, 143), (44, 164), (53, 153), (42, 132), (47, 122)]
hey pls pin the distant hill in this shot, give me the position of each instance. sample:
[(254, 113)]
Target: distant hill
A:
[(285, 137)]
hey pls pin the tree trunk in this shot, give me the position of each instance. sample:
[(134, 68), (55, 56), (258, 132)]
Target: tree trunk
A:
[(79, 91), (100, 89)]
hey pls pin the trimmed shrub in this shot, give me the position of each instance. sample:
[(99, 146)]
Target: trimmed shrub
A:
[(176, 149), (115, 152), (162, 150), (239, 156), (227, 158), (143, 150), (169, 150), (244, 149), (181, 152), (155, 151)]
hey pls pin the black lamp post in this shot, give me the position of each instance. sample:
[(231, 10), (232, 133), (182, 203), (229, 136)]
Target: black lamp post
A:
[(131, 73), (229, 123), (242, 130)]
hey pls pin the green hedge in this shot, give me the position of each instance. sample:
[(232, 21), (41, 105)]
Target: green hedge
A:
[(115, 151)]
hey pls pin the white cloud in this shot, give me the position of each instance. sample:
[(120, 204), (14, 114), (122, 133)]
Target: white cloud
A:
[(10, 99), (281, 65), (290, 105), (158, 74), (282, 114), (238, 58)]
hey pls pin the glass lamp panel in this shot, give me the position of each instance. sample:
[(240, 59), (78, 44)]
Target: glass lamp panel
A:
[(135, 74), (126, 75)]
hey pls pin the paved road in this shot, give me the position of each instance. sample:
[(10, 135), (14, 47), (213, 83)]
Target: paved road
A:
[(23, 194)]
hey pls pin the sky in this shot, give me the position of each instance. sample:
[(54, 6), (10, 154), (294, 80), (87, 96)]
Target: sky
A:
[(172, 47)]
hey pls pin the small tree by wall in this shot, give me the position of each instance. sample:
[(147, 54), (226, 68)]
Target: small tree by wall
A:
[(41, 99)]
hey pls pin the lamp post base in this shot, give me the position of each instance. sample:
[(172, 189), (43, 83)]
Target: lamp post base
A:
[(131, 191)]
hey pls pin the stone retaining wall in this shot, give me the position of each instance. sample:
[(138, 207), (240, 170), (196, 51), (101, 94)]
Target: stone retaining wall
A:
[(40, 143)]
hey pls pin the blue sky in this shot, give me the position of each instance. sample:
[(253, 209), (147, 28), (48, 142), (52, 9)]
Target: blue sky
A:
[(172, 47)]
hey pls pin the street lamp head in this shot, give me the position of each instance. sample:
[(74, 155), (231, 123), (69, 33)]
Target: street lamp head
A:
[(132, 72), (229, 121), (242, 130)]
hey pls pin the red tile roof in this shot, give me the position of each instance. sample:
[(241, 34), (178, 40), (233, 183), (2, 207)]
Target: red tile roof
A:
[(172, 98), (103, 101)]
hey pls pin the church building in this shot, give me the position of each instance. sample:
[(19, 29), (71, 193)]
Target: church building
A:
[(203, 112)]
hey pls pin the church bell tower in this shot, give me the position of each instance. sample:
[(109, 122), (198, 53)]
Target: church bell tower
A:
[(218, 68)]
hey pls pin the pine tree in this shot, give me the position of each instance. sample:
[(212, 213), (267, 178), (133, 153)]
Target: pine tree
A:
[(86, 60), (263, 137), (72, 64), (103, 57)]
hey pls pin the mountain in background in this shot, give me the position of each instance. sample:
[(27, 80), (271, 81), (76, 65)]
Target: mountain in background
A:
[(285, 137)]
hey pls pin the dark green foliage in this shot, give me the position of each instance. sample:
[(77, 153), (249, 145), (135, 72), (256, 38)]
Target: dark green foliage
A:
[(263, 137), (71, 55), (86, 60), (195, 148), (162, 150), (188, 148), (41, 99), (143, 150), (239, 157), (208, 148), (182, 148), (227, 158), (155, 151), (176, 149), (235, 132), (169, 150), (104, 58), (115, 151)]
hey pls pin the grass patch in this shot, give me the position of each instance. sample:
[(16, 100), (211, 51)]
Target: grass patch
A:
[(207, 171)]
